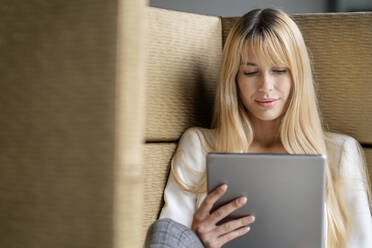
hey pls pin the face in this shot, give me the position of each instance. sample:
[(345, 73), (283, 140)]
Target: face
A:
[(264, 88)]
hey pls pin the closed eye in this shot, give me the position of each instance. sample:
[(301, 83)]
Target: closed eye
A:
[(250, 73), (280, 71)]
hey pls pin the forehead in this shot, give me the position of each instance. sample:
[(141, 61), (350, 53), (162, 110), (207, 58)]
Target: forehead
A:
[(260, 51)]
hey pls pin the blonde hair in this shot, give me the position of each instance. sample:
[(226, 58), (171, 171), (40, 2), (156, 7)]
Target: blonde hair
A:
[(275, 36)]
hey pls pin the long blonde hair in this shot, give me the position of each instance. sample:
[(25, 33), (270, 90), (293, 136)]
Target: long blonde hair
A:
[(274, 35)]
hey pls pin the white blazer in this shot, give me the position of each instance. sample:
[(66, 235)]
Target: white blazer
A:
[(189, 161)]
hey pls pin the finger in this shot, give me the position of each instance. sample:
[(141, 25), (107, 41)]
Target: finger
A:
[(227, 209), (207, 204), (233, 225), (233, 235)]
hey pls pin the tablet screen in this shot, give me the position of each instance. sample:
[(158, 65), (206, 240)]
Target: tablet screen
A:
[(285, 192)]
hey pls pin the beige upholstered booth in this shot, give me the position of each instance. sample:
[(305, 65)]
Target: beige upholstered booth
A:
[(94, 96)]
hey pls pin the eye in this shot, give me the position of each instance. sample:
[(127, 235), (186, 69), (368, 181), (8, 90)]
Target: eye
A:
[(280, 70), (250, 73)]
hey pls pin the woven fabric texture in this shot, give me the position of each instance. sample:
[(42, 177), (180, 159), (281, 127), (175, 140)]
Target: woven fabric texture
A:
[(129, 124), (368, 155), (182, 67), (57, 85), (156, 170)]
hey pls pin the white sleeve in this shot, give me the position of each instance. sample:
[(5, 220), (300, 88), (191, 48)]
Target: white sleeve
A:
[(187, 162), (354, 193)]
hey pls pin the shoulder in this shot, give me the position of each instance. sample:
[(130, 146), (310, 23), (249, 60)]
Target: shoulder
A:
[(346, 153), (197, 139), (340, 143), (337, 140), (190, 156), (198, 131)]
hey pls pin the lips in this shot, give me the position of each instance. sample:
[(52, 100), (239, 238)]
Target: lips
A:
[(267, 102)]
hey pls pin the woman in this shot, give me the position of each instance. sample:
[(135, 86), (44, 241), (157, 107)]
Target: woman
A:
[(265, 103)]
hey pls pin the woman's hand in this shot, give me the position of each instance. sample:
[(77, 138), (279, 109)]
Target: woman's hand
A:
[(204, 222)]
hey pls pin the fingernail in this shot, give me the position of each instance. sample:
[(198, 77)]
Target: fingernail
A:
[(224, 186), (252, 218), (243, 200)]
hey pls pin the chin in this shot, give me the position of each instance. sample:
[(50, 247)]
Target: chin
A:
[(268, 117)]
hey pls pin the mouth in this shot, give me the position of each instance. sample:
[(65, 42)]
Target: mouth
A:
[(267, 102)]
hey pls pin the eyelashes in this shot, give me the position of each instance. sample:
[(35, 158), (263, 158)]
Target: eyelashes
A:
[(280, 71), (250, 73), (255, 72)]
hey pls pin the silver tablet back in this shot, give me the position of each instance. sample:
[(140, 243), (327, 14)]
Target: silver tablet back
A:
[(285, 192)]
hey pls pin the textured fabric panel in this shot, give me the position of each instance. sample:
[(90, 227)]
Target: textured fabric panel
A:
[(226, 24), (156, 170), (129, 125), (368, 154), (183, 56), (341, 53), (57, 79)]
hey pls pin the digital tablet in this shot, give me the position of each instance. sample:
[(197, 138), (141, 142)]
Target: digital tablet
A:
[(285, 192)]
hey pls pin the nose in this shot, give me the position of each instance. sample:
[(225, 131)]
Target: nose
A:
[(266, 82)]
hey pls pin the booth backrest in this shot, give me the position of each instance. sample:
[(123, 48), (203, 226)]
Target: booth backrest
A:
[(182, 66), (183, 56)]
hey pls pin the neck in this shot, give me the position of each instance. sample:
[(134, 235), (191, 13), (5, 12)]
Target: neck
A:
[(266, 133)]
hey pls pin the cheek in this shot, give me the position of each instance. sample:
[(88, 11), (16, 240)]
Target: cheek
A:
[(245, 93), (246, 89), (286, 88)]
